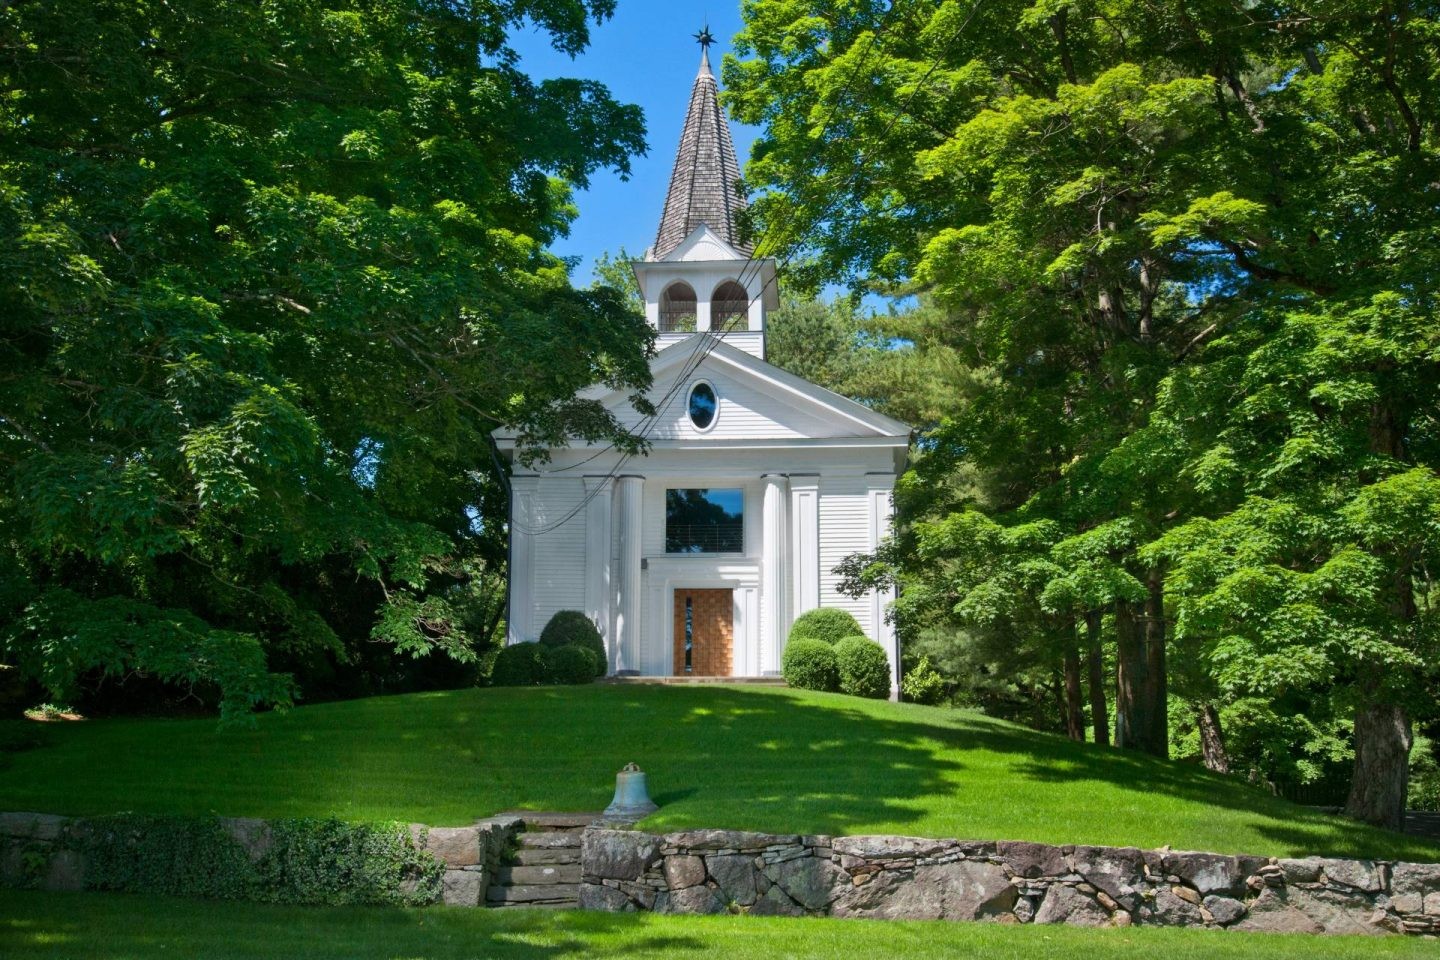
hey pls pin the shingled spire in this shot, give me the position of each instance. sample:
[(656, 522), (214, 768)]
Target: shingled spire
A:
[(703, 185)]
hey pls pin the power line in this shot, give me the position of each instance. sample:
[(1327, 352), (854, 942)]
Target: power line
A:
[(706, 344)]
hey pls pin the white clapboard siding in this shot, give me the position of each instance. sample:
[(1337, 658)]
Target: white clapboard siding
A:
[(559, 568), (844, 529), (745, 412)]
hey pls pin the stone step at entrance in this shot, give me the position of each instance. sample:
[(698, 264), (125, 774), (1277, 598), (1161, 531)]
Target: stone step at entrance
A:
[(543, 870)]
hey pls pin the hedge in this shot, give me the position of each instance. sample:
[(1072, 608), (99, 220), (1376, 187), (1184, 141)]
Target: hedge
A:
[(825, 623), (809, 664), (864, 668), (572, 627)]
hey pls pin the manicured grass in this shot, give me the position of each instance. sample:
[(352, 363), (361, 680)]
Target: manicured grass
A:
[(34, 926), (750, 758)]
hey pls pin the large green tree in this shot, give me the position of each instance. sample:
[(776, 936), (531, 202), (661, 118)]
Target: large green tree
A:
[(270, 273), (1185, 254)]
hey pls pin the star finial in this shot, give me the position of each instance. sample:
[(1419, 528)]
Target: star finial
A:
[(704, 37)]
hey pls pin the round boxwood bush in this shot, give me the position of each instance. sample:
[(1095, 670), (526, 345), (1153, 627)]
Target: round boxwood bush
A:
[(825, 623), (573, 627), (864, 668), (570, 664), (809, 664), (519, 665)]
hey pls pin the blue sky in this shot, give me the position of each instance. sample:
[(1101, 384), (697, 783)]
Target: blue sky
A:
[(646, 55)]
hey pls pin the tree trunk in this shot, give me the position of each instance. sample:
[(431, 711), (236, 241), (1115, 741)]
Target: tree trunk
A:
[(1074, 704), (1139, 715), (1157, 685), (1129, 677), (1383, 737), (1212, 738), (1383, 730), (1099, 712)]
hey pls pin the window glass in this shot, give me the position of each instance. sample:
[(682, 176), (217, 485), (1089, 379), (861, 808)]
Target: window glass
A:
[(704, 521), (703, 405)]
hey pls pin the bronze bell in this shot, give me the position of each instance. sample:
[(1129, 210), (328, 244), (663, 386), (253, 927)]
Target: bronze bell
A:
[(632, 801)]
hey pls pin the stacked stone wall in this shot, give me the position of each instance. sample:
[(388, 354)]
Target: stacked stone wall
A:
[(716, 871)]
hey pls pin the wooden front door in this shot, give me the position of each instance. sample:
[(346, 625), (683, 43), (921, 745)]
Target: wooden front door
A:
[(704, 632)]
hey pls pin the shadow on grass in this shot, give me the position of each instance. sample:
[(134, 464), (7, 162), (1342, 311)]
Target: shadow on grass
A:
[(820, 765), (750, 758), (36, 926)]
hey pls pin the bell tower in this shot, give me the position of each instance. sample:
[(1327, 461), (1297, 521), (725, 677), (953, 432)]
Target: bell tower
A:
[(700, 276)]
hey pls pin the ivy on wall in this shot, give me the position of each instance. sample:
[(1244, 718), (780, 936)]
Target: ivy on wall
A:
[(307, 861)]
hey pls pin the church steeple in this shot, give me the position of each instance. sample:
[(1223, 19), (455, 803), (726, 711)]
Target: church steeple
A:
[(703, 184)]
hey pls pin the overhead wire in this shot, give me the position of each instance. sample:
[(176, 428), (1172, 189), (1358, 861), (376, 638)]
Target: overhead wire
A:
[(707, 340)]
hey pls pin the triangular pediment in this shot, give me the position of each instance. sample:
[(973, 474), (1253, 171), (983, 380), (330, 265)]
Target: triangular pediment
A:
[(703, 245), (757, 401)]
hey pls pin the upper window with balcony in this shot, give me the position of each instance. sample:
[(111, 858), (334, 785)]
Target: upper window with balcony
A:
[(704, 521)]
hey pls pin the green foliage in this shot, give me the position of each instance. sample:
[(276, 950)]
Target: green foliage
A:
[(173, 856), (302, 861), (922, 683), (864, 668), (334, 862), (569, 664), (270, 276), (568, 627), (616, 273), (519, 665), (1424, 776), (810, 664), (829, 624), (1173, 410)]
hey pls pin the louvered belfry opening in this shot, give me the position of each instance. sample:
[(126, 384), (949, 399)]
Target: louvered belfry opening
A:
[(729, 308), (704, 186)]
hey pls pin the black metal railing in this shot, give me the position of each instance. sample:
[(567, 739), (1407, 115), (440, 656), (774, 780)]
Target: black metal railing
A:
[(727, 315), (705, 538), (677, 319)]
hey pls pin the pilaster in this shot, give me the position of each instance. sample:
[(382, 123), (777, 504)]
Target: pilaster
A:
[(774, 581), (598, 561), (629, 491)]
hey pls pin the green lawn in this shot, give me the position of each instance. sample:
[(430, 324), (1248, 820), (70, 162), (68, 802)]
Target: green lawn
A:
[(741, 757), (36, 926)]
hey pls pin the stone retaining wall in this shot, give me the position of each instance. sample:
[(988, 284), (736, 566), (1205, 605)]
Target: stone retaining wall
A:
[(48, 852), (715, 871)]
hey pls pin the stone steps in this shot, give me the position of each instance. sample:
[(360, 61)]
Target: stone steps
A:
[(548, 873), (543, 871)]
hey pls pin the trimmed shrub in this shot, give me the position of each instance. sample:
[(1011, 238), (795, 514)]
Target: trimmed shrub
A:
[(922, 683), (570, 664), (519, 665), (864, 668), (809, 664), (825, 623), (573, 627)]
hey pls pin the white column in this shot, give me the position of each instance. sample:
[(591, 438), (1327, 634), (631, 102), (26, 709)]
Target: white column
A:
[(518, 626), (598, 558), (628, 600), (805, 541), (774, 572), (880, 489)]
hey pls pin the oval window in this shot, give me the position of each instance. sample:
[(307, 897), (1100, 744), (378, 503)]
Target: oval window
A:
[(703, 405)]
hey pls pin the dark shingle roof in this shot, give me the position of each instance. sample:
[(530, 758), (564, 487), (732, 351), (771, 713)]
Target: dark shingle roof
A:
[(703, 184)]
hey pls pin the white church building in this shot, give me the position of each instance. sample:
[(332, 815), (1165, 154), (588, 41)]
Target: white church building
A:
[(695, 558)]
